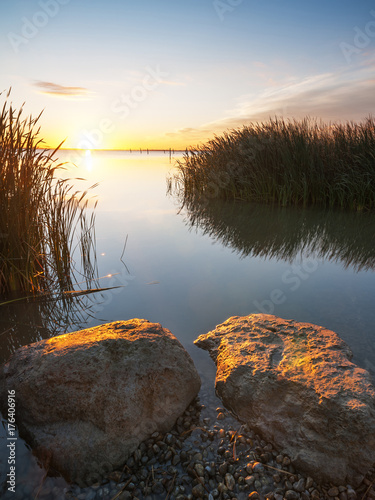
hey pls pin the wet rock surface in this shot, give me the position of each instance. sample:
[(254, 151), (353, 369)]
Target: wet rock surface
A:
[(87, 399), (295, 385)]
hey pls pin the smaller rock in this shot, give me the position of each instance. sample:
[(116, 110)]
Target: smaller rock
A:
[(288, 485), (115, 476), (158, 488), (254, 495), (199, 469), (343, 495), (230, 482), (223, 469), (125, 495), (169, 439), (222, 488), (198, 491), (309, 482), (352, 495), (249, 480), (220, 416), (258, 467), (249, 468), (257, 485), (210, 469), (299, 485), (333, 492), (291, 495)]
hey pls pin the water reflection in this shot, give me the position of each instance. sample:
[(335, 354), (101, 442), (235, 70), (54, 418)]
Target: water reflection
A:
[(26, 321), (287, 233)]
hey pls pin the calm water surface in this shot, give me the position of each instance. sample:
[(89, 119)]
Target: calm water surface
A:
[(192, 270)]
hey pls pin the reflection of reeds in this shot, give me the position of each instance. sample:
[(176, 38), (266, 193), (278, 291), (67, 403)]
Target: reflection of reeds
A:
[(284, 162), (287, 233), (41, 218)]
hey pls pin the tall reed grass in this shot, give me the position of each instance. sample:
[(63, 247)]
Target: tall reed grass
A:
[(286, 163), (42, 218)]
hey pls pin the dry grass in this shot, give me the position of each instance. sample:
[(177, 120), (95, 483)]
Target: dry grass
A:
[(42, 219), (286, 163)]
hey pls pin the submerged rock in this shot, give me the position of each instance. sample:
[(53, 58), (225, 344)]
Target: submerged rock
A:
[(294, 383), (85, 400)]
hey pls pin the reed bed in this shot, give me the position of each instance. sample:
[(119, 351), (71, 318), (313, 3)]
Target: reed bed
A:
[(285, 163), (42, 218)]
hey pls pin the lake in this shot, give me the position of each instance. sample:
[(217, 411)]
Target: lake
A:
[(191, 269)]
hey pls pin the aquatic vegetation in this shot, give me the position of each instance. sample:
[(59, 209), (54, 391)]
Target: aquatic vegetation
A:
[(43, 221), (285, 163)]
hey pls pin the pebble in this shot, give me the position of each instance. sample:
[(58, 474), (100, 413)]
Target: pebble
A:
[(333, 492), (309, 482), (157, 488), (254, 495), (230, 482), (249, 480), (249, 468), (258, 467), (291, 495), (199, 469), (221, 433), (352, 495), (299, 485)]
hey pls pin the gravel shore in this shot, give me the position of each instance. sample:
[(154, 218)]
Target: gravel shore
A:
[(207, 455)]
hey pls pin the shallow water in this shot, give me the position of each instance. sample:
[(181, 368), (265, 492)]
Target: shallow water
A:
[(192, 270)]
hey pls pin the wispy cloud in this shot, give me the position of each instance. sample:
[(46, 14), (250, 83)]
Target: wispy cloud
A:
[(341, 96), (57, 90)]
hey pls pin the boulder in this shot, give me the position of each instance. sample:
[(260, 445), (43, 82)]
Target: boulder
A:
[(87, 399), (295, 385)]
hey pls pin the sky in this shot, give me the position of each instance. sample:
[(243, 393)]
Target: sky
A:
[(120, 74)]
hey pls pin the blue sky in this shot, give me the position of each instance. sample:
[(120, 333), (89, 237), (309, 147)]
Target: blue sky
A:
[(120, 74)]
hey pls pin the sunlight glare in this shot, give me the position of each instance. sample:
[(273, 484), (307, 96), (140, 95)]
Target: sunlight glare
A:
[(88, 160)]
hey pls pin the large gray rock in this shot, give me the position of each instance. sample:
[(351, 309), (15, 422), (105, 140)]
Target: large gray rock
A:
[(85, 400), (295, 384)]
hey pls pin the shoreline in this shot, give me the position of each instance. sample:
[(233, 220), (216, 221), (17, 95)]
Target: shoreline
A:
[(209, 455)]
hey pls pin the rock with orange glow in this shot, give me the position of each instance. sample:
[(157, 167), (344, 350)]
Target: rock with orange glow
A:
[(294, 383), (87, 399)]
